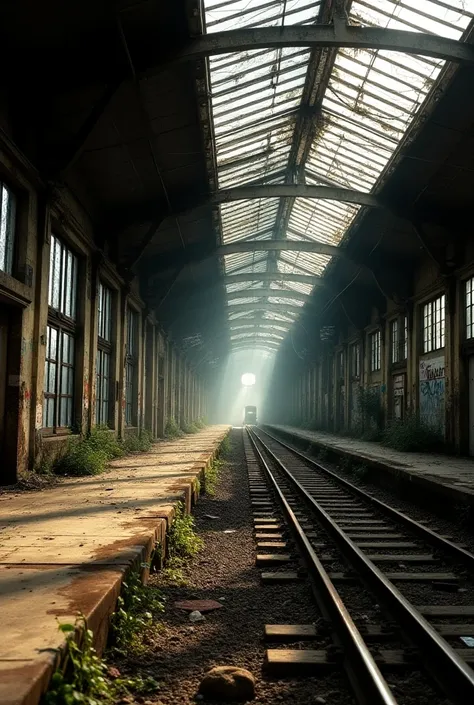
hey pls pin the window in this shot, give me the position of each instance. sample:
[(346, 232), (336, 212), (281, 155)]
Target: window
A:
[(399, 339), (375, 341), (395, 341), (355, 361), (60, 337), (433, 324), (104, 354), (470, 308), (7, 227), (131, 363)]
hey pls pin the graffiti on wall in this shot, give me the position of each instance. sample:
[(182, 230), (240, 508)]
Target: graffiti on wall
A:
[(398, 396), (432, 390)]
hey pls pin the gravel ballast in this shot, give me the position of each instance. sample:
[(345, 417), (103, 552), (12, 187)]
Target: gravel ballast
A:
[(179, 653)]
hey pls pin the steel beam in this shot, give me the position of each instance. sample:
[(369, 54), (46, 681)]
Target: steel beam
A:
[(264, 306), (253, 345), (261, 338), (262, 293), (273, 277), (320, 248), (197, 253), (259, 324), (148, 210), (337, 34), (330, 193)]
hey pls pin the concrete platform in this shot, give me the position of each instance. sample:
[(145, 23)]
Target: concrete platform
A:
[(64, 551), (440, 475)]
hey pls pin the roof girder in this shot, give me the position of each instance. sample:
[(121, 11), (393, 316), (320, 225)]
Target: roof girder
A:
[(320, 248), (330, 193), (338, 34), (273, 276), (264, 306), (260, 293)]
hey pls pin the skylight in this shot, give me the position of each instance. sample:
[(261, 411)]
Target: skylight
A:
[(259, 98)]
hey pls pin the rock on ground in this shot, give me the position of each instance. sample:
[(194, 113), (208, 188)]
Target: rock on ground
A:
[(228, 683)]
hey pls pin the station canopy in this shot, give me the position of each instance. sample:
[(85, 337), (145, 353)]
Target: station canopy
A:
[(312, 116)]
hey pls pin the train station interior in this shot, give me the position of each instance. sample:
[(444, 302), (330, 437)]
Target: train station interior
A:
[(214, 214)]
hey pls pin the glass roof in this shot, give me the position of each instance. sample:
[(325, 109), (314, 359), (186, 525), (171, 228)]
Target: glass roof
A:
[(258, 98)]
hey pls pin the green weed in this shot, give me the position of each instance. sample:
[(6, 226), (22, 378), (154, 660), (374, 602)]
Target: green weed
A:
[(140, 442), (101, 438), (200, 423), (134, 613), (413, 435), (81, 459), (197, 486), (225, 446), (189, 427), (182, 540), (172, 430), (211, 477), (172, 574), (90, 455), (83, 678)]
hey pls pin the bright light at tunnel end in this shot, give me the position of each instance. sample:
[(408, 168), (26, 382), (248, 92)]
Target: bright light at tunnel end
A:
[(248, 379)]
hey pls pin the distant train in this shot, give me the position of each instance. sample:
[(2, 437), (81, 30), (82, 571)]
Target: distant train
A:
[(250, 416)]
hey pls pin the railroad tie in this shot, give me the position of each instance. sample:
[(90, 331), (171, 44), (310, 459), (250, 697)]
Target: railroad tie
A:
[(281, 577), (272, 558), (264, 535), (402, 558), (290, 632), (275, 545), (296, 661)]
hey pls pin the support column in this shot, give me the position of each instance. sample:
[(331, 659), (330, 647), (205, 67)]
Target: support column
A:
[(172, 384), (177, 388)]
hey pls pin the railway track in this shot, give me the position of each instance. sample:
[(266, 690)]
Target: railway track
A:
[(349, 540)]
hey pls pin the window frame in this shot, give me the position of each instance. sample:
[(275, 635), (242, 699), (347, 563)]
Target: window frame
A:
[(468, 307), (433, 326), (405, 337), (394, 341), (65, 325), (399, 348), (376, 351), (105, 354), (131, 367), (354, 360), (8, 264), (340, 361)]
